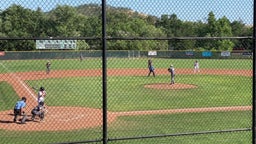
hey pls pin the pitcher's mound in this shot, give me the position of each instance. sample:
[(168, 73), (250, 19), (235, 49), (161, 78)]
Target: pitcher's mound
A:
[(168, 86)]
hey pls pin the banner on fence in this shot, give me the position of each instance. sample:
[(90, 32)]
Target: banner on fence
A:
[(225, 53), (206, 54), (189, 53), (55, 44), (152, 53), (247, 53), (2, 53)]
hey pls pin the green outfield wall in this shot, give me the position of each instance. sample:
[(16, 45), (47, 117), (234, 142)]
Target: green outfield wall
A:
[(123, 54)]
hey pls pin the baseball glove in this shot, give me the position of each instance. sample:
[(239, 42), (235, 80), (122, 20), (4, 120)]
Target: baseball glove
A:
[(169, 70)]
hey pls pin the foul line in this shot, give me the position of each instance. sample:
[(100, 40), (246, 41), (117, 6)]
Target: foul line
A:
[(19, 80)]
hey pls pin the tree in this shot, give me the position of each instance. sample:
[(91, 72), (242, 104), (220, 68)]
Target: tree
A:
[(223, 27), (82, 45), (224, 30), (65, 20), (86, 21), (18, 22), (212, 26), (239, 29)]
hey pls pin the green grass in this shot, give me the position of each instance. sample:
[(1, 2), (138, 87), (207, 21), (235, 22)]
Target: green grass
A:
[(221, 138), (127, 93), (134, 126), (8, 97), (129, 126), (62, 64), (39, 65)]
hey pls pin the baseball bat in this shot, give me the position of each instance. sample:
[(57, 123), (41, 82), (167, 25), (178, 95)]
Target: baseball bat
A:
[(35, 88)]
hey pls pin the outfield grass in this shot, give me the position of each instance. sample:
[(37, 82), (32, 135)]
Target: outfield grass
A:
[(71, 64), (127, 93)]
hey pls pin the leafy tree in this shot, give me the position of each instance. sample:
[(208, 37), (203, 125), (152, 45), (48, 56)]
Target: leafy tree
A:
[(82, 45), (66, 20), (18, 22), (41, 24), (121, 24), (240, 29), (223, 27), (224, 30), (212, 25), (86, 21), (225, 45)]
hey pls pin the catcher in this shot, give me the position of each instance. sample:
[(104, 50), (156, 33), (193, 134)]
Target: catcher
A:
[(38, 111)]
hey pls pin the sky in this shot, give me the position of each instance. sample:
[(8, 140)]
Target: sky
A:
[(186, 10)]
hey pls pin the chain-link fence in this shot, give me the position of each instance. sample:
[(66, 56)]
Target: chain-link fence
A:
[(120, 71)]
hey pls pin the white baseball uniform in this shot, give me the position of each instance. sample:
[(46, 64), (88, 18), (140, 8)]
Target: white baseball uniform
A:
[(41, 96)]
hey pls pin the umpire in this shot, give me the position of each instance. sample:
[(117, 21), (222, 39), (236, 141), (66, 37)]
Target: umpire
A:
[(18, 108)]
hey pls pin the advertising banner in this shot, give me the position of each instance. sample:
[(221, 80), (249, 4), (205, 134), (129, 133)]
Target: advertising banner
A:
[(207, 54), (225, 54), (152, 53), (2, 53), (189, 53)]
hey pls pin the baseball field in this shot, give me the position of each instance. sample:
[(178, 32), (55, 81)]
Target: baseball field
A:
[(217, 98)]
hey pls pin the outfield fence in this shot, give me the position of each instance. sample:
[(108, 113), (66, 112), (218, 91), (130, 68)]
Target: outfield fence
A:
[(99, 87)]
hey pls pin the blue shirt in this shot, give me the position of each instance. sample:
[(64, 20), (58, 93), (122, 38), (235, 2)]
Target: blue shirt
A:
[(20, 104)]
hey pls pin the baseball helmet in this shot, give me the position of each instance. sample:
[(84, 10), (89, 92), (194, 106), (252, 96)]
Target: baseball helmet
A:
[(24, 99), (41, 103), (41, 88)]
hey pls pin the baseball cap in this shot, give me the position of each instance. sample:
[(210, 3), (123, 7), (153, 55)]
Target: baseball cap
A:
[(24, 99)]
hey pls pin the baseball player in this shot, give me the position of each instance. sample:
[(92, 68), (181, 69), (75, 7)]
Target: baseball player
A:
[(41, 96), (48, 67), (81, 57), (151, 68), (196, 66), (38, 111), (172, 71), (18, 108)]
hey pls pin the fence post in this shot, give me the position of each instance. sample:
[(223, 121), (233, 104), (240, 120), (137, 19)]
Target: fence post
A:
[(104, 74), (253, 84)]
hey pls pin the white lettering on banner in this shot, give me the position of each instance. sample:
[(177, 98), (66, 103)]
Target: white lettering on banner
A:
[(152, 53), (225, 53)]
